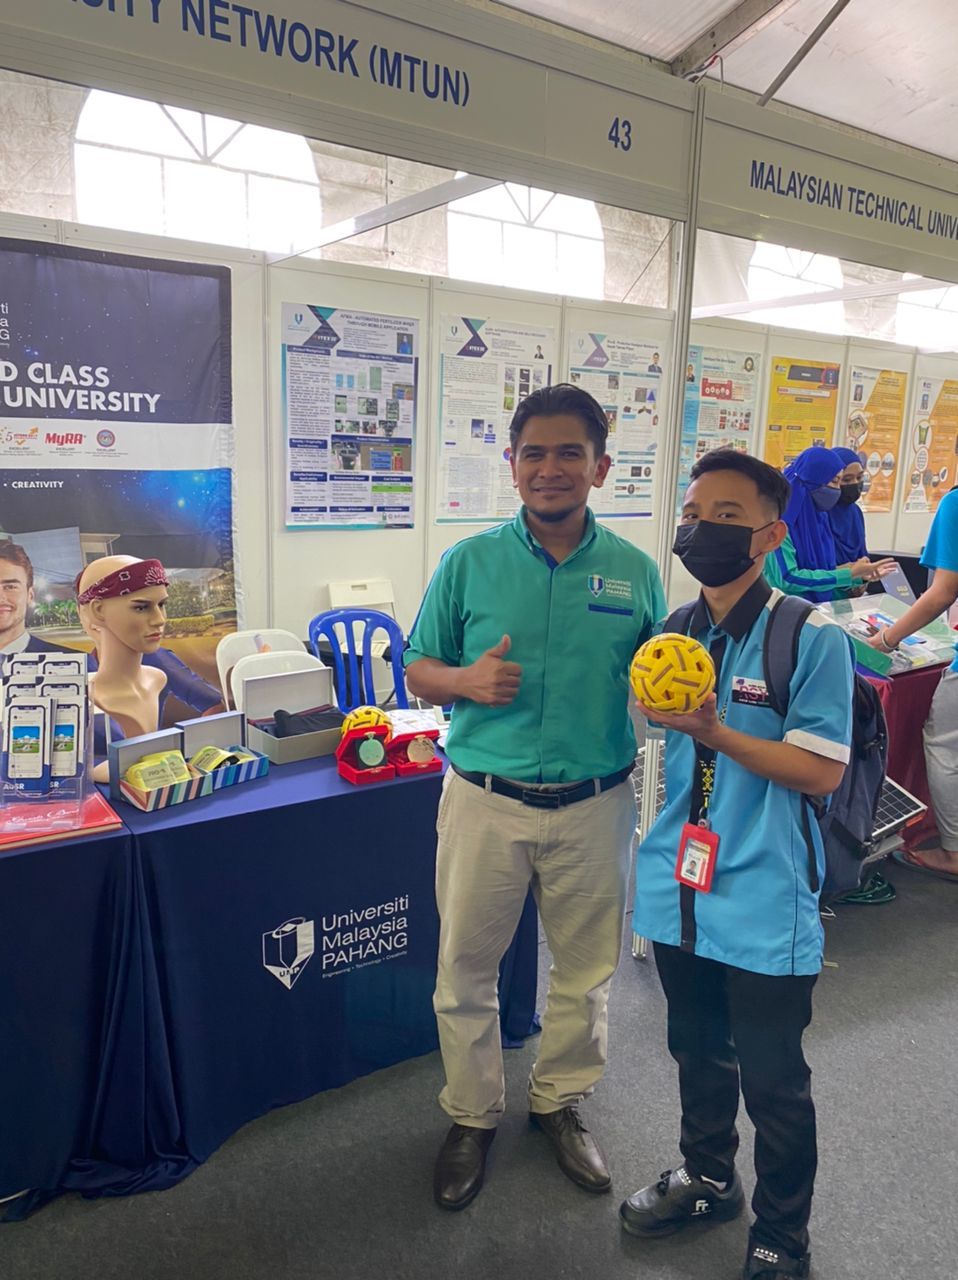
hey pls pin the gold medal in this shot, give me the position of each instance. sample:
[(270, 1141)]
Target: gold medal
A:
[(421, 750)]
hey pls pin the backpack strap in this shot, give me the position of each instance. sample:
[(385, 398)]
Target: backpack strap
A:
[(679, 619), (780, 650)]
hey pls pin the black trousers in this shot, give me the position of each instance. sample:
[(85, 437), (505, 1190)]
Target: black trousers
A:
[(729, 1027)]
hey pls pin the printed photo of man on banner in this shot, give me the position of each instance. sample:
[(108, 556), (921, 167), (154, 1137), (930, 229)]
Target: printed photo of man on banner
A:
[(116, 438)]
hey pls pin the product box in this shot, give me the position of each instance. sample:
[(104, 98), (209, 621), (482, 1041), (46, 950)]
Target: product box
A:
[(201, 732), (293, 691)]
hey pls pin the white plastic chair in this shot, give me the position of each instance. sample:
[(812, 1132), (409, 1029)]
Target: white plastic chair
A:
[(268, 664), (241, 644)]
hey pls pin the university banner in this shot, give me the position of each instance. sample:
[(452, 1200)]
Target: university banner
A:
[(116, 436)]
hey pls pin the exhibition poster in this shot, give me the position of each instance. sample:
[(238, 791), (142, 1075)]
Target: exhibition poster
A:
[(350, 382), (932, 445), (486, 367), (721, 405), (876, 415), (116, 436), (624, 375), (802, 407)]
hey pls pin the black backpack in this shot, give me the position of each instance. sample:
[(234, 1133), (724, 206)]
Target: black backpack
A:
[(848, 820)]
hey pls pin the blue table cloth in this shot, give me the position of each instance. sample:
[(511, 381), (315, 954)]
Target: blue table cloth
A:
[(68, 956), (169, 983)]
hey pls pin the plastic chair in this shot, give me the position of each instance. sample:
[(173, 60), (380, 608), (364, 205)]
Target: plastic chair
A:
[(365, 594), (240, 644), (268, 664), (342, 630)]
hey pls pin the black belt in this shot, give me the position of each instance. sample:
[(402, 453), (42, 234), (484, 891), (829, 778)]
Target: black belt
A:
[(537, 799)]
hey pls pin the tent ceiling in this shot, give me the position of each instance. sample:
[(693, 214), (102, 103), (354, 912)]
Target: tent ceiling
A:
[(883, 66)]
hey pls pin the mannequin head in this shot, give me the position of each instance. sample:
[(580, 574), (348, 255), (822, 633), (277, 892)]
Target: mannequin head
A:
[(134, 621)]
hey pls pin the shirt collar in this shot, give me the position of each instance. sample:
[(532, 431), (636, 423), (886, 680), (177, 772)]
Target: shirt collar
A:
[(740, 618), (524, 532), (18, 645)]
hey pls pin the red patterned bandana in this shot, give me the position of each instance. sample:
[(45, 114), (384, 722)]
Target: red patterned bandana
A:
[(133, 577)]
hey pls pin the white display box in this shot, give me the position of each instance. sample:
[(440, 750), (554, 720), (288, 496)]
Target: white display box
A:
[(292, 691)]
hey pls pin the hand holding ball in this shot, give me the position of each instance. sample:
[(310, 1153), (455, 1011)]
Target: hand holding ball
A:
[(673, 674)]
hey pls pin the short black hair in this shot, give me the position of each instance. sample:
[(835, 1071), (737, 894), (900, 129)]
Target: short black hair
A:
[(563, 397), (773, 488)]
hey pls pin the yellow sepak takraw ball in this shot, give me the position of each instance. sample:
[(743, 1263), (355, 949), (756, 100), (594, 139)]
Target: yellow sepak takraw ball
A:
[(364, 718), (672, 673)]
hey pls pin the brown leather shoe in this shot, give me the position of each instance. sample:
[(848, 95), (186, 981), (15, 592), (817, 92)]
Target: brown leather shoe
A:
[(461, 1166), (579, 1155)]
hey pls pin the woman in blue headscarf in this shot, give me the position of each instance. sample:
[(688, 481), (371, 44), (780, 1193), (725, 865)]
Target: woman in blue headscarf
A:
[(846, 518), (806, 563)]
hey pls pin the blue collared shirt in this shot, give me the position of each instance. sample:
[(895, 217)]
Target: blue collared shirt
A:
[(762, 914), (574, 627)]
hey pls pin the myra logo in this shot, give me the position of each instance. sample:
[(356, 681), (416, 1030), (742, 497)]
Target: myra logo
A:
[(61, 438)]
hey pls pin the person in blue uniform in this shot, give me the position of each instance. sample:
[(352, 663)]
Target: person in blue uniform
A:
[(727, 878), (846, 517)]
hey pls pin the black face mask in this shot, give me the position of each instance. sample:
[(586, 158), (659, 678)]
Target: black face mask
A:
[(850, 493), (715, 554)]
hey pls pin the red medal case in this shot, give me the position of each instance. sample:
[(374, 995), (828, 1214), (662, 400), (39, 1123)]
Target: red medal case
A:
[(346, 760), (396, 753)]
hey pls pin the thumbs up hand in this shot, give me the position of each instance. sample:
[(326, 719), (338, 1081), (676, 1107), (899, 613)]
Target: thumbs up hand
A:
[(491, 680)]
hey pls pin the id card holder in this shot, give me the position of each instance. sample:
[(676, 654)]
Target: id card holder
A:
[(695, 864)]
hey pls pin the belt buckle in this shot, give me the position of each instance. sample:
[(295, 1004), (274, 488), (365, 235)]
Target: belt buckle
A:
[(542, 799)]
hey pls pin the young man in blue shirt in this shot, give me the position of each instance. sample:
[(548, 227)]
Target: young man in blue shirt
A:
[(737, 933), (529, 629)]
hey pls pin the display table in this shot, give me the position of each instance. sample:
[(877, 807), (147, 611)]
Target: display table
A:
[(215, 960), (906, 700), (68, 956)]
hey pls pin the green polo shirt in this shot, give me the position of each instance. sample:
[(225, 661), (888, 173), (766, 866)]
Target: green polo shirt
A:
[(574, 627)]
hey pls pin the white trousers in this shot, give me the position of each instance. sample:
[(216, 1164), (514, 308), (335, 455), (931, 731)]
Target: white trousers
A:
[(576, 858), (941, 758)]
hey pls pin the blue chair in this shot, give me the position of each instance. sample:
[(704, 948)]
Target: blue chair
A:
[(341, 630)]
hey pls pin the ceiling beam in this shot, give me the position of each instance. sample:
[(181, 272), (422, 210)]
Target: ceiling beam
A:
[(851, 293), (745, 20), (797, 58), (407, 207)]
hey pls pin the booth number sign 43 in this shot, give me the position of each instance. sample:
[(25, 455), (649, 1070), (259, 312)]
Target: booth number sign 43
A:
[(620, 135)]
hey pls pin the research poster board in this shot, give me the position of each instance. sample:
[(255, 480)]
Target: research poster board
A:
[(486, 366), (931, 444), (625, 375), (802, 407), (116, 438), (721, 404), (876, 416), (350, 382)]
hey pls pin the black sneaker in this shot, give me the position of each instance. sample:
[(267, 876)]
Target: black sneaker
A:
[(765, 1263), (677, 1199)]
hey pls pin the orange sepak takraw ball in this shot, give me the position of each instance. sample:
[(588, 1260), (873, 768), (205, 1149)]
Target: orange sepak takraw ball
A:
[(672, 673)]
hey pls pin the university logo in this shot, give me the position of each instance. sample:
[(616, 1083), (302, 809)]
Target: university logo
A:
[(105, 438), (298, 317), (596, 584), (288, 948)]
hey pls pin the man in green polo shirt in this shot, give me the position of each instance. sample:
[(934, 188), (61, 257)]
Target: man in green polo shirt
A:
[(529, 629)]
